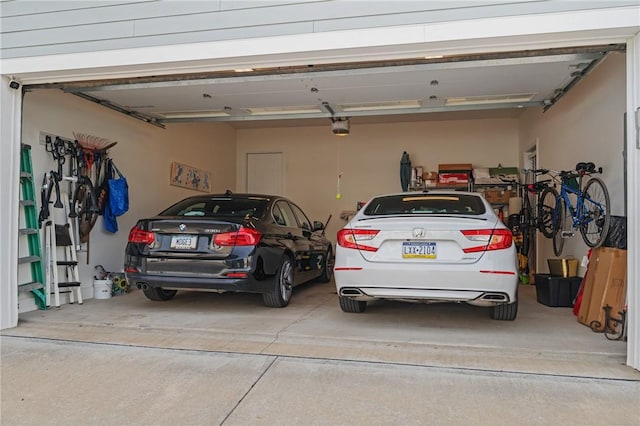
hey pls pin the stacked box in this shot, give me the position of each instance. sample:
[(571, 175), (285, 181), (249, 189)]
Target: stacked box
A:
[(509, 173), (556, 291), (454, 174), (499, 196), (605, 284), (430, 179)]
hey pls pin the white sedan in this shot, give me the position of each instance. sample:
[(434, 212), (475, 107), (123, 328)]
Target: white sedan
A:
[(432, 246)]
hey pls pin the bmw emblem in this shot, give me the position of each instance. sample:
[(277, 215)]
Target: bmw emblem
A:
[(182, 227)]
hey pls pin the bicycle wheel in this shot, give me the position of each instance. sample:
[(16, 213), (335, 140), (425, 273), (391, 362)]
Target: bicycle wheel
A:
[(546, 206), (84, 206), (526, 228), (595, 213), (560, 220)]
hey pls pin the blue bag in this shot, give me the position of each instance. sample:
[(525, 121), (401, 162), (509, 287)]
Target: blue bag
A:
[(110, 223), (118, 193)]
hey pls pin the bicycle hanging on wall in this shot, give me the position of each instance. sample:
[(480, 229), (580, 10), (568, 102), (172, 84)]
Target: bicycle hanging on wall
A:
[(590, 212), (527, 220), (85, 156)]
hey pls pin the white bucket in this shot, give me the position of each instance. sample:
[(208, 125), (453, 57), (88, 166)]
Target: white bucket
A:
[(102, 289)]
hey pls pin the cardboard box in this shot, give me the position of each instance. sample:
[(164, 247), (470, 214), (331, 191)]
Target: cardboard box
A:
[(565, 267), (605, 284), (556, 291), (426, 176), (455, 167), (453, 178), (498, 196), (507, 171)]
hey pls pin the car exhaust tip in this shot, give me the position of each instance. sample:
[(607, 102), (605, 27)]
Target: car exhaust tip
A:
[(495, 297), (142, 286), (351, 292)]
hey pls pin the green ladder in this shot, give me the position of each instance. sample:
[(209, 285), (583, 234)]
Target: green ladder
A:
[(30, 231)]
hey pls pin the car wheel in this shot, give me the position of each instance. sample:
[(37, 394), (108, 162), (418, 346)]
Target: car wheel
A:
[(159, 294), (505, 312), (352, 306), (282, 286), (327, 268)]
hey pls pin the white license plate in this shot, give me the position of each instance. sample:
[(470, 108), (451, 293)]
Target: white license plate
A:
[(418, 250), (184, 242)]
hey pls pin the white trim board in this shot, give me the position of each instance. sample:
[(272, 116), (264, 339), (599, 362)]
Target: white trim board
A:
[(587, 27)]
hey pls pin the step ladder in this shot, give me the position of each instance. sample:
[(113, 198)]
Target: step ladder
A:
[(29, 231), (61, 237)]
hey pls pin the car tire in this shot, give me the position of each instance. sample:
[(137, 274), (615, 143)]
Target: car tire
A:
[(352, 306), (505, 312), (280, 294), (159, 294), (327, 267)]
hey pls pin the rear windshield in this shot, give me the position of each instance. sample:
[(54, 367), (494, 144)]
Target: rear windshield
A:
[(218, 207), (407, 204)]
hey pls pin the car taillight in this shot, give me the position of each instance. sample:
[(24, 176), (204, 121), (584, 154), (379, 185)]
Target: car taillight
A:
[(137, 235), (352, 238), (241, 237), (490, 239)]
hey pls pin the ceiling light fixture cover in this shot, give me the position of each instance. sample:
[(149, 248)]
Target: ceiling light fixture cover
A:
[(489, 99), (341, 127)]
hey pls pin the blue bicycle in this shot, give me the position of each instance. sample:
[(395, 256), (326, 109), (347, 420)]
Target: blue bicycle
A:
[(590, 213)]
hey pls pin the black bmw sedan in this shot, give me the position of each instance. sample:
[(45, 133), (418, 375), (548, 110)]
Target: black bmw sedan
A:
[(228, 242)]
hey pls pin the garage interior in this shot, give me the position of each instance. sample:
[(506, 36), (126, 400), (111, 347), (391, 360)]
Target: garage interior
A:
[(494, 88), (553, 105)]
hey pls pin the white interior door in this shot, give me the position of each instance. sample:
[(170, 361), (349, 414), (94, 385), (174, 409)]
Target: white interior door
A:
[(265, 173)]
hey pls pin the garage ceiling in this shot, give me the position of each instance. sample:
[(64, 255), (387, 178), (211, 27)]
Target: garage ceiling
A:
[(492, 85)]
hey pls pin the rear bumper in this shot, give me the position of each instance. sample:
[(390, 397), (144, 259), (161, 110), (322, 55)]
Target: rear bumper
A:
[(245, 285), (489, 281), (474, 297)]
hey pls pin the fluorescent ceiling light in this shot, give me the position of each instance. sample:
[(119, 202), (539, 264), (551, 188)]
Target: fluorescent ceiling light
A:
[(489, 99), (374, 106), (285, 110), (192, 114)]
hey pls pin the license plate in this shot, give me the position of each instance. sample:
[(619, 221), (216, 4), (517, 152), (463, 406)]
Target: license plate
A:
[(184, 242), (418, 250)]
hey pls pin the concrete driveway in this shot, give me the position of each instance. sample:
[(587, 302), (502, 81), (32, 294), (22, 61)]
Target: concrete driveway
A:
[(226, 359)]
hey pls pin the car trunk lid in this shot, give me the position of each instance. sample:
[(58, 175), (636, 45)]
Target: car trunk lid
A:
[(175, 236), (429, 240)]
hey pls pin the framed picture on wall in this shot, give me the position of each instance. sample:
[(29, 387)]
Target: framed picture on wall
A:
[(190, 177)]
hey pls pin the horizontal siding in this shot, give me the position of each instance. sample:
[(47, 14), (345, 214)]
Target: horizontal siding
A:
[(473, 11), (14, 8), (131, 11), (167, 39), (34, 28), (276, 15)]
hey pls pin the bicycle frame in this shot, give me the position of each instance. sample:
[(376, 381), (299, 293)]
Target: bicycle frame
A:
[(578, 211)]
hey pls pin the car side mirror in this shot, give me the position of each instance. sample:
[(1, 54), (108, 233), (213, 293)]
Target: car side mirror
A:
[(317, 225)]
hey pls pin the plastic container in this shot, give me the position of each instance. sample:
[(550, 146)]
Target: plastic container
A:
[(567, 267), (556, 291), (102, 289)]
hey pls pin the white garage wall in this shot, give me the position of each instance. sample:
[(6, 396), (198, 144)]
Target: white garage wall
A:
[(585, 125), (144, 154), (369, 158)]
